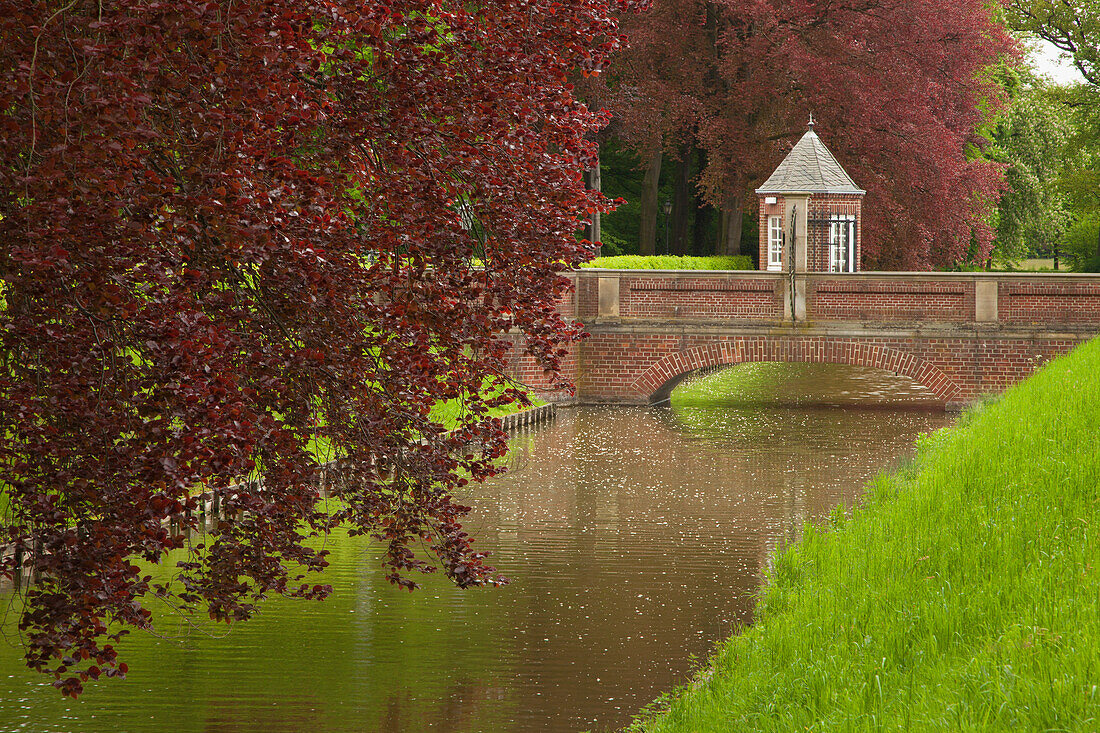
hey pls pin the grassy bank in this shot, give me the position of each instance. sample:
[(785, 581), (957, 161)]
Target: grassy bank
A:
[(965, 595), (672, 262), (754, 382), (449, 412)]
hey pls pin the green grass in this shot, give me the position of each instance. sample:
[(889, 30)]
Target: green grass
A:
[(752, 382), (446, 413), (1022, 266), (672, 262), (449, 412), (1044, 264), (964, 595)]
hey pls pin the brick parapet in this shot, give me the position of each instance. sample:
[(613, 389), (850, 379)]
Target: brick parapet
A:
[(879, 299), (707, 298), (690, 294), (694, 295), (1033, 301)]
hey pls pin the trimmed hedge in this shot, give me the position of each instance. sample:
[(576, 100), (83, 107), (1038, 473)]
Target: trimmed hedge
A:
[(672, 262)]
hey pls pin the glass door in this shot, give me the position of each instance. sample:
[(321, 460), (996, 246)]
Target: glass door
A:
[(842, 244)]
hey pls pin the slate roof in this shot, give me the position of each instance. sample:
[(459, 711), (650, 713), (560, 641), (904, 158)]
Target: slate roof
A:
[(809, 167)]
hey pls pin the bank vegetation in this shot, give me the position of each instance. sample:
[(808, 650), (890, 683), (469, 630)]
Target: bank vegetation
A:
[(963, 595)]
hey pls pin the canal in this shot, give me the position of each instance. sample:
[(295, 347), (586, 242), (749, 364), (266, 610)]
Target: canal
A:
[(635, 539)]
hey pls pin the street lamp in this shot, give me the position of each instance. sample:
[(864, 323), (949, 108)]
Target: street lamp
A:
[(667, 207)]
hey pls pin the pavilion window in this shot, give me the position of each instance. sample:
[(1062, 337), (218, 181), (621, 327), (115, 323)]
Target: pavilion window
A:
[(775, 243)]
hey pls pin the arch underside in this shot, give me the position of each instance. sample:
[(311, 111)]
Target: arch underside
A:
[(657, 381)]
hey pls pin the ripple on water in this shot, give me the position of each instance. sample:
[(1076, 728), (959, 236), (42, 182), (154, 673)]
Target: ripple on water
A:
[(634, 539)]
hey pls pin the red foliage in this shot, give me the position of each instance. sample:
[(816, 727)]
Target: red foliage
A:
[(897, 87), (227, 226)]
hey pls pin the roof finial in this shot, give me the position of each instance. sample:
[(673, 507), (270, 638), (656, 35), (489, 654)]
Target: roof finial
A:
[(811, 121)]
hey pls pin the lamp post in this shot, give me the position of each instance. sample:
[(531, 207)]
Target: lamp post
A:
[(667, 208)]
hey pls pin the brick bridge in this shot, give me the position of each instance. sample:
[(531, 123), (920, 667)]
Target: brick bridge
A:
[(959, 334)]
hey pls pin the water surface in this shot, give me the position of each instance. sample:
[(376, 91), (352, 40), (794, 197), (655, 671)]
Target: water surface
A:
[(635, 540)]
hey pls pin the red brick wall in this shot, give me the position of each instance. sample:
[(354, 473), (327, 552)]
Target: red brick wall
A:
[(1042, 302), (823, 206), (586, 296), (524, 368), (765, 211), (833, 298), (700, 298)]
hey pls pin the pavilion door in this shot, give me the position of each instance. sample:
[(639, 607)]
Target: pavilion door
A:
[(842, 244)]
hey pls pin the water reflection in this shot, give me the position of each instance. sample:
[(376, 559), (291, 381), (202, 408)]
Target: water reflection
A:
[(634, 538)]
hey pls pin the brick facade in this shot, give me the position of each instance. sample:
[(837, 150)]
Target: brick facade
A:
[(765, 212), (822, 207)]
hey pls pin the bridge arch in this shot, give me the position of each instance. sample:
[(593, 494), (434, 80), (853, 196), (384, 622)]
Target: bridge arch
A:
[(656, 382)]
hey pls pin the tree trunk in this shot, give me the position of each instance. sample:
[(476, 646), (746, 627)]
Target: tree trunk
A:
[(593, 182), (703, 212), (723, 231), (681, 203), (700, 234), (731, 209), (647, 228)]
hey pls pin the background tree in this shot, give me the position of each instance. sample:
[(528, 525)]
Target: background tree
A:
[(235, 231), (1080, 177), (899, 89), (1074, 27), (1030, 138), (1071, 25)]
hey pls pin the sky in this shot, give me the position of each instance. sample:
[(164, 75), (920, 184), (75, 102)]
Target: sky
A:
[(1054, 64)]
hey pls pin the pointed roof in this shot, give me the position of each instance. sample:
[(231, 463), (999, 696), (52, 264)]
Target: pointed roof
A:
[(810, 167)]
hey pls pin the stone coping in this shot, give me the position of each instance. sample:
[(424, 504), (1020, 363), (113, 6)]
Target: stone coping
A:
[(841, 329), (864, 275)]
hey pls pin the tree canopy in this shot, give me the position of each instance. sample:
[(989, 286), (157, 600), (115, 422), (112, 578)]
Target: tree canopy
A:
[(899, 89), (1030, 137), (1071, 25), (236, 231)]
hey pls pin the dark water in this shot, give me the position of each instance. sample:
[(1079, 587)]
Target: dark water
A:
[(635, 540)]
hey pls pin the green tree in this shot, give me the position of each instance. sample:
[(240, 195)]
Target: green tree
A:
[(1080, 179), (1074, 27), (1071, 25), (1030, 139)]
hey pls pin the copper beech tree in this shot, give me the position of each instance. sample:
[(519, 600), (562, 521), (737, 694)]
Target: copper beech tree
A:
[(228, 229), (900, 90)]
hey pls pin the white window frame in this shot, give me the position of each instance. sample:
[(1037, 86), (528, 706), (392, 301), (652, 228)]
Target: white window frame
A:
[(842, 243), (775, 243)]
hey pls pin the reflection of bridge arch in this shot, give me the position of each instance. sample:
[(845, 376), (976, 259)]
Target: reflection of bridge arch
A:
[(656, 382)]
